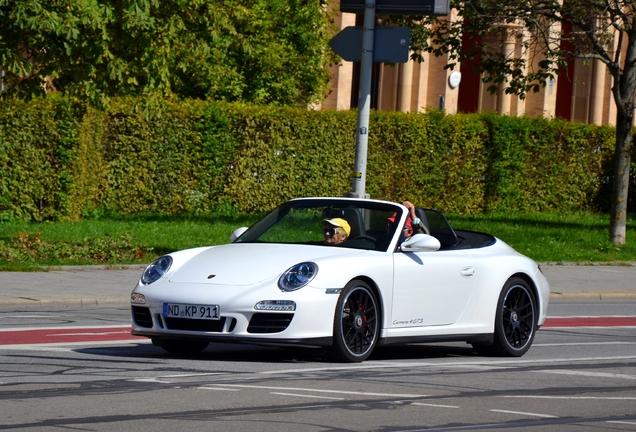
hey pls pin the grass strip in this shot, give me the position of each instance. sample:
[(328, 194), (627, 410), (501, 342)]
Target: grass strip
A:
[(545, 237)]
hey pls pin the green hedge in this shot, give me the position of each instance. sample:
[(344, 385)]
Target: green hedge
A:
[(38, 144), (60, 162)]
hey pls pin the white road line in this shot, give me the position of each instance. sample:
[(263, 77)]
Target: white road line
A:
[(621, 422), (586, 374), (323, 391), (63, 328), (571, 397), (524, 413), (154, 380), (217, 388), (582, 344), (306, 396), (370, 365), (91, 334), (478, 367), (193, 375), (594, 316), (434, 405), (68, 346), (37, 347), (489, 362), (590, 326)]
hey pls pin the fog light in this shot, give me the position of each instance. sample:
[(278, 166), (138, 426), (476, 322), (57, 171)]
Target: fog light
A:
[(276, 305), (136, 298)]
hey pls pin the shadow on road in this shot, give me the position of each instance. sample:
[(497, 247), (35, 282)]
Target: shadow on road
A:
[(260, 354)]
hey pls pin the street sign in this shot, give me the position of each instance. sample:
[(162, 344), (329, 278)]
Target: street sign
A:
[(390, 44), (399, 7), (382, 44)]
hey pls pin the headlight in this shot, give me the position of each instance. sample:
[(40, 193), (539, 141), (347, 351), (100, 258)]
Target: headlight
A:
[(298, 276), (155, 270)]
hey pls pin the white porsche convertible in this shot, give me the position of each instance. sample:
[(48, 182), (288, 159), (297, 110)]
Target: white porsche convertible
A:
[(282, 282)]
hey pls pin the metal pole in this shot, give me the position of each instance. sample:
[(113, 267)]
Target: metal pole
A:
[(364, 102)]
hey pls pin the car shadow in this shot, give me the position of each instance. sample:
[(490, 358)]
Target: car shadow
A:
[(264, 354)]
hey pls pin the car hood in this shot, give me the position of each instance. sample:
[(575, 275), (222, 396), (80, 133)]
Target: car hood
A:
[(247, 264)]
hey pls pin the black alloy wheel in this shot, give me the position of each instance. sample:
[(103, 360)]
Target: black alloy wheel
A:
[(516, 320), (356, 323)]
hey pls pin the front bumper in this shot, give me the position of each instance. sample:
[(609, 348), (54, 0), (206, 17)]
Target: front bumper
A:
[(309, 325)]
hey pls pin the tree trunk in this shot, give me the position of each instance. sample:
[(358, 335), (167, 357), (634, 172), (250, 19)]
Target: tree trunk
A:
[(622, 156)]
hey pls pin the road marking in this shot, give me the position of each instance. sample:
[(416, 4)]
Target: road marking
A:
[(582, 344), (524, 413), (571, 397), (154, 380), (478, 367), (70, 346), (586, 373), (307, 396), (434, 405), (51, 328), (126, 332), (193, 375), (217, 388), (621, 422), (66, 334), (324, 391), (406, 364), (590, 321)]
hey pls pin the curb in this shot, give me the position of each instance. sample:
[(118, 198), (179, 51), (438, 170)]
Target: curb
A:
[(137, 267), (588, 264), (609, 295), (81, 301)]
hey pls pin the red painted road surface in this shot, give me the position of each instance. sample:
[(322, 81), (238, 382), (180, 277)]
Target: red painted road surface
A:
[(100, 334), (590, 322), (57, 335)]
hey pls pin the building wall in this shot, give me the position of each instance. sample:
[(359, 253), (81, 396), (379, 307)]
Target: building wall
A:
[(581, 93), (339, 96)]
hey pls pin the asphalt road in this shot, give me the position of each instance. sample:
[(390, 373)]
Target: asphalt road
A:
[(572, 379)]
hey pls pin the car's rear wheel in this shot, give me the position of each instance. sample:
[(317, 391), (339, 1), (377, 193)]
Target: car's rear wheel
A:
[(356, 324), (516, 319), (182, 346)]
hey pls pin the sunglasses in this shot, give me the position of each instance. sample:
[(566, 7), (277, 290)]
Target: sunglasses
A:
[(330, 231)]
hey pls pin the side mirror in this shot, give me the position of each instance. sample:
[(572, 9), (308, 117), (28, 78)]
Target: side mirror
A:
[(237, 233), (421, 243)]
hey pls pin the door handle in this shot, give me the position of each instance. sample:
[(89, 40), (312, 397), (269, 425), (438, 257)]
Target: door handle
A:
[(468, 272)]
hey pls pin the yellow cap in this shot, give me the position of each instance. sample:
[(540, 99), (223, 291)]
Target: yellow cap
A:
[(338, 222)]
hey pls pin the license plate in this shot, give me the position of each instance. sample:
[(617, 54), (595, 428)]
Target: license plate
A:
[(204, 312)]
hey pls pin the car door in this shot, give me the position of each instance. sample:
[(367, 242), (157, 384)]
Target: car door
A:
[(430, 288)]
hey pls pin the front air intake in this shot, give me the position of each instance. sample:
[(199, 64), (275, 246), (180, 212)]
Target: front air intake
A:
[(142, 317), (269, 322)]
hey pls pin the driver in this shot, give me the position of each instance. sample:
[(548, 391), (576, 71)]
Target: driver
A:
[(335, 230)]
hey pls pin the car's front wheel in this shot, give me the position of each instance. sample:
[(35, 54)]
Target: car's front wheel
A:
[(516, 319), (182, 346), (356, 324)]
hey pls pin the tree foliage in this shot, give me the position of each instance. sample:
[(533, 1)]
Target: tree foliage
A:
[(260, 51), (545, 34)]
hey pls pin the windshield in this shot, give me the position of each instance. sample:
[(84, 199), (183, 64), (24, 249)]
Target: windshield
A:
[(358, 224)]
